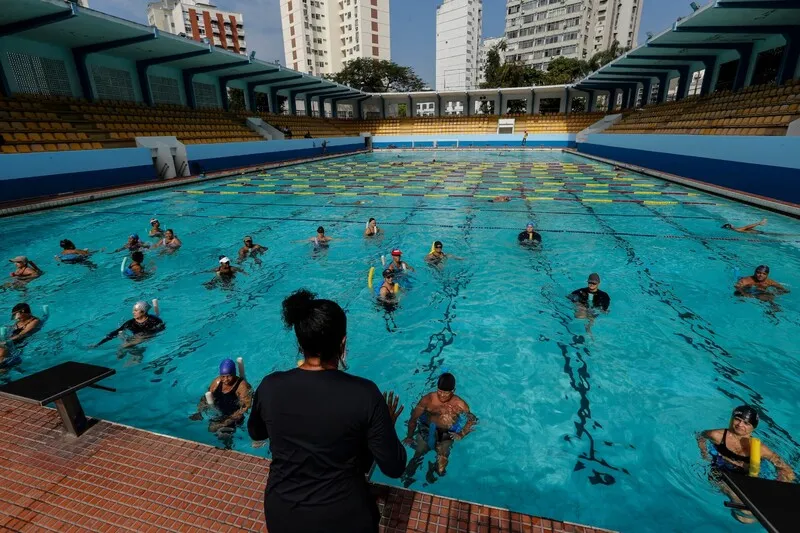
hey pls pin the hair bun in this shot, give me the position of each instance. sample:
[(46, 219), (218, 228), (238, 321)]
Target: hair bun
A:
[(297, 307)]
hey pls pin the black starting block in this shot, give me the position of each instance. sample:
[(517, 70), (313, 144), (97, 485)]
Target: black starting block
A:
[(59, 385), (773, 503)]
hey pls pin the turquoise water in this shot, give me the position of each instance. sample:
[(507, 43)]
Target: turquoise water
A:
[(588, 427)]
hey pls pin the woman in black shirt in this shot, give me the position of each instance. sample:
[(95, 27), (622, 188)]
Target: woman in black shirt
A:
[(325, 428)]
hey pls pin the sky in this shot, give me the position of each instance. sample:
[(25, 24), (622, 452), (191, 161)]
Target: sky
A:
[(413, 25)]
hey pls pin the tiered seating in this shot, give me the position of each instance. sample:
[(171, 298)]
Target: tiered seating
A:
[(757, 110), (556, 123), (299, 125), (32, 123)]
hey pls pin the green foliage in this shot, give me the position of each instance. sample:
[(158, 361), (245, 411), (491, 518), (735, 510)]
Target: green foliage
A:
[(402, 110), (560, 71), (236, 99), (517, 106), (378, 76)]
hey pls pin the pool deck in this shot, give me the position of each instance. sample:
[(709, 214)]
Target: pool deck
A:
[(118, 478)]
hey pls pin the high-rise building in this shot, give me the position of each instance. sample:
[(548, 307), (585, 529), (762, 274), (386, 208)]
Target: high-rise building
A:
[(483, 53), (539, 30), (459, 24), (198, 20), (321, 36)]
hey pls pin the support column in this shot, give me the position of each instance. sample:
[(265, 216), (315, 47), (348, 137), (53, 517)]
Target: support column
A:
[(383, 108), (499, 104), (647, 90), (566, 101), (4, 87), (223, 94), (321, 103), (307, 102), (529, 106), (709, 77), (791, 56), (743, 70), (334, 108), (410, 107), (683, 84), (438, 105), (292, 104), (591, 100), (250, 94), (663, 87), (272, 97), (86, 84), (469, 105)]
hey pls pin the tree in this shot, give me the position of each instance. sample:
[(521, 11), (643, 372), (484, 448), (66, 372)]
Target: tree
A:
[(378, 76), (564, 70), (236, 99), (606, 56), (509, 74)]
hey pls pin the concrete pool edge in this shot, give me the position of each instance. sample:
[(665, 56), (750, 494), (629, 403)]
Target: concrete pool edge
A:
[(771, 204), (120, 477), (22, 207)]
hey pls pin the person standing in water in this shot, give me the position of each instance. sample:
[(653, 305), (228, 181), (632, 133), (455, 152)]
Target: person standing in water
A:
[(398, 265), (249, 249), (443, 419), (170, 242), (529, 237), (142, 326), (591, 297), (759, 285), (26, 270), (372, 229), (437, 256)]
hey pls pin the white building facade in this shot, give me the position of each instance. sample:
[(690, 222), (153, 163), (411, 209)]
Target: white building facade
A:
[(459, 25), (198, 20), (483, 53), (537, 31), (321, 36)]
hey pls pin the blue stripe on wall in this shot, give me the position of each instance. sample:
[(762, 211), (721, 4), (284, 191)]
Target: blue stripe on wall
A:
[(532, 143), (780, 183), (213, 164)]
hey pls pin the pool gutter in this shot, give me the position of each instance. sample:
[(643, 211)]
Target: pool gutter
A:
[(785, 208), (29, 206)]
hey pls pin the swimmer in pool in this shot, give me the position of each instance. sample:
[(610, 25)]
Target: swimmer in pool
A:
[(225, 270), (142, 326), (251, 250), (26, 270), (372, 228), (500, 199), (750, 228), (397, 264), (386, 292), (170, 242), (232, 399), (437, 256), (590, 300), (529, 237), (759, 285), (731, 452), (135, 269), (320, 239), (4, 354), (70, 253), (26, 324), (155, 228), (443, 419), (133, 244)]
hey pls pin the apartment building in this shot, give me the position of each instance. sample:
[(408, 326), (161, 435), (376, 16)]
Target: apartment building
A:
[(459, 27), (198, 20)]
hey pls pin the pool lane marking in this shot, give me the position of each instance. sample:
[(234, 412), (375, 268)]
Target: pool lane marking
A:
[(360, 222), (435, 195)]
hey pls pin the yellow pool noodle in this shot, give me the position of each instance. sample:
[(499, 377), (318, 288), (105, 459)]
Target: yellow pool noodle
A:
[(432, 248), (397, 288), (755, 456), (369, 276)]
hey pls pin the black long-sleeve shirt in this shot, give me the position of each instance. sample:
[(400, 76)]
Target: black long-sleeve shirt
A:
[(325, 428), (153, 324), (599, 298)]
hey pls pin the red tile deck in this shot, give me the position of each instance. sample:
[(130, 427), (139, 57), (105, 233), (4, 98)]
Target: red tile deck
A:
[(118, 478)]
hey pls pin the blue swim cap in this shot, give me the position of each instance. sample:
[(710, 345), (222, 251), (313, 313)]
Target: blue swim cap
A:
[(227, 368), (530, 224), (134, 236)]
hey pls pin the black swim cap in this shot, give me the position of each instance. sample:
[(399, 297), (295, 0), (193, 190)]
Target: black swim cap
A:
[(137, 256), (320, 230), (21, 308), (388, 273), (727, 226), (762, 268), (748, 414), (437, 243), (447, 382)]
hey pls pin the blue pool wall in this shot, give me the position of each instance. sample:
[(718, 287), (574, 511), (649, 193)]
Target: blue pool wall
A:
[(215, 157), (556, 140), (764, 166), (46, 174)]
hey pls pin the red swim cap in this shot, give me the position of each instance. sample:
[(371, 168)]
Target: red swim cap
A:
[(397, 252)]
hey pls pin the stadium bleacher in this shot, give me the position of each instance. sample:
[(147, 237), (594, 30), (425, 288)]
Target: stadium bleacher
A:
[(755, 110)]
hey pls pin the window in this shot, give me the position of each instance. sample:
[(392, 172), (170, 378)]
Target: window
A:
[(165, 90), (375, 51), (374, 26), (112, 84), (374, 39), (39, 75), (205, 95), (513, 9), (374, 13)]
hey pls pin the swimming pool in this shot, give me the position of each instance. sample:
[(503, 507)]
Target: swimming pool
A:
[(588, 427)]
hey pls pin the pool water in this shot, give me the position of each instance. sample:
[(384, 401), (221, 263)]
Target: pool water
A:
[(588, 426)]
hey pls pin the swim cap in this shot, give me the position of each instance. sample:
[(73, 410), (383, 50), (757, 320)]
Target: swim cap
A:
[(388, 273), (134, 236), (141, 306), (248, 238), (762, 268), (727, 226), (321, 230), (748, 414), (224, 259), (153, 221), (227, 368), (447, 382), (397, 252), (437, 244), (530, 225), (19, 259), (594, 278)]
